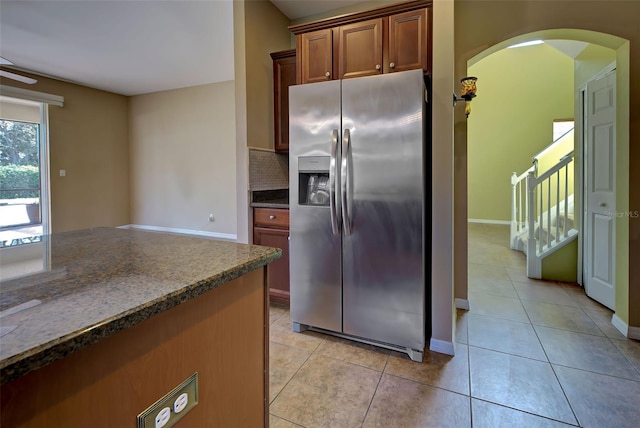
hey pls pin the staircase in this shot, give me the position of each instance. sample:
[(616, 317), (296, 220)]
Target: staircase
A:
[(542, 210)]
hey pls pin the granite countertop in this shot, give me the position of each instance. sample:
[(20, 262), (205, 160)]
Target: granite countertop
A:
[(270, 199), (101, 281), (272, 203)]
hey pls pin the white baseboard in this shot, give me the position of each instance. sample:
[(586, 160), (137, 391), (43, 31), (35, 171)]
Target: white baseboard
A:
[(215, 235), (442, 347), (628, 331), (486, 221), (462, 304)]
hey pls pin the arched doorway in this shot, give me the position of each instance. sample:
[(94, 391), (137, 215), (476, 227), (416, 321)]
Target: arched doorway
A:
[(600, 41)]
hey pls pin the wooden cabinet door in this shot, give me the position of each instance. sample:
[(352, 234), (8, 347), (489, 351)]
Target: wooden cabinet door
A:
[(316, 56), (360, 49), (408, 41), (278, 271), (284, 75)]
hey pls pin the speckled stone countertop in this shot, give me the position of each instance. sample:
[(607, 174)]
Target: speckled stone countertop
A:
[(275, 203), (104, 280), (270, 199)]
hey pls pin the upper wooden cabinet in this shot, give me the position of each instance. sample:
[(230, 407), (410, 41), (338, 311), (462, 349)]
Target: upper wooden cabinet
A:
[(408, 41), (386, 40), (284, 75), (316, 52), (360, 49)]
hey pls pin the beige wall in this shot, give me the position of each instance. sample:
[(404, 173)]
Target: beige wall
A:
[(244, 229), (87, 138), (354, 8), (183, 158), (443, 273), (520, 92), (480, 25), (259, 29), (265, 32)]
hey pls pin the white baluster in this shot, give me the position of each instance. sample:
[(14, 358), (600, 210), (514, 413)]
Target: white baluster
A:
[(557, 239)]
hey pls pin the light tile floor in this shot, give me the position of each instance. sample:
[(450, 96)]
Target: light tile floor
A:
[(528, 354)]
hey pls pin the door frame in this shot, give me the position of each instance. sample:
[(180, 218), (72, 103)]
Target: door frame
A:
[(582, 170), (581, 123)]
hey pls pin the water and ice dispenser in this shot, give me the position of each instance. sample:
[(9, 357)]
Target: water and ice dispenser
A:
[(313, 180)]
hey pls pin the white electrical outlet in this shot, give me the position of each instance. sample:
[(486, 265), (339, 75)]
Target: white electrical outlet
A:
[(211, 218), (168, 410), (163, 417), (181, 402)]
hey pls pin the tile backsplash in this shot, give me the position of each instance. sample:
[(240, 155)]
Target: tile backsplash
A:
[(268, 170)]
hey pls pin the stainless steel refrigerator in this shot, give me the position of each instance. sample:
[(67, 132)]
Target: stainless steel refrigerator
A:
[(357, 205)]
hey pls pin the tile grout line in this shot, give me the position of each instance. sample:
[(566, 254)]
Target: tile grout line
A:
[(573, 412), (294, 375), (430, 385), (605, 336), (469, 374), (596, 373), (584, 310), (524, 411), (285, 419), (375, 391)]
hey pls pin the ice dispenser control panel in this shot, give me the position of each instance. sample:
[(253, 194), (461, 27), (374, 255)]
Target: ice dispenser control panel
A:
[(313, 180)]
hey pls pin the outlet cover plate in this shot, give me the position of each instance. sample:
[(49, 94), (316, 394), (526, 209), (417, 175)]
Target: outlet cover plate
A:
[(147, 419)]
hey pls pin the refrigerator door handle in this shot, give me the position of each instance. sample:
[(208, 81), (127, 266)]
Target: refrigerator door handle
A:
[(346, 187), (334, 184)]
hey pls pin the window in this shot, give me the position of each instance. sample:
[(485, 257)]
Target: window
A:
[(23, 183)]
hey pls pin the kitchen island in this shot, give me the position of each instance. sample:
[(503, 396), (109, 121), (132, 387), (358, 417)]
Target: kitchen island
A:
[(116, 318)]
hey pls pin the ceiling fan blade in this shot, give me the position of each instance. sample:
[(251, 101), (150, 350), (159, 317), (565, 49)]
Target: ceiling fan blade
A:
[(18, 77)]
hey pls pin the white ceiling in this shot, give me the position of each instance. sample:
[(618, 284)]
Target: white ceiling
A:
[(130, 47), (127, 47), (570, 48)]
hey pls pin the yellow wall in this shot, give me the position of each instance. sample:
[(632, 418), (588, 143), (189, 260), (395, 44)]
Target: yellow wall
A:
[(520, 92), (592, 60), (549, 159), (88, 138), (480, 25), (557, 151), (563, 264), (183, 157)]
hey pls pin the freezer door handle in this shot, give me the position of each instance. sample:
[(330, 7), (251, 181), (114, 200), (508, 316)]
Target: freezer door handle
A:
[(334, 184), (346, 185)]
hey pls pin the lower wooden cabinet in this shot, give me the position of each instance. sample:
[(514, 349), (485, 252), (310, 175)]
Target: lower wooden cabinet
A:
[(271, 229)]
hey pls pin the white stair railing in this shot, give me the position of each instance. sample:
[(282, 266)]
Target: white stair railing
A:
[(547, 195), (519, 207)]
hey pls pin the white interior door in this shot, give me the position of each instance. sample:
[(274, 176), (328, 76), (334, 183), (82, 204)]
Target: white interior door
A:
[(600, 198)]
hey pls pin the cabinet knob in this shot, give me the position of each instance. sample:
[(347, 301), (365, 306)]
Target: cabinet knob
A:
[(377, 66), (327, 74), (392, 65), (272, 217)]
